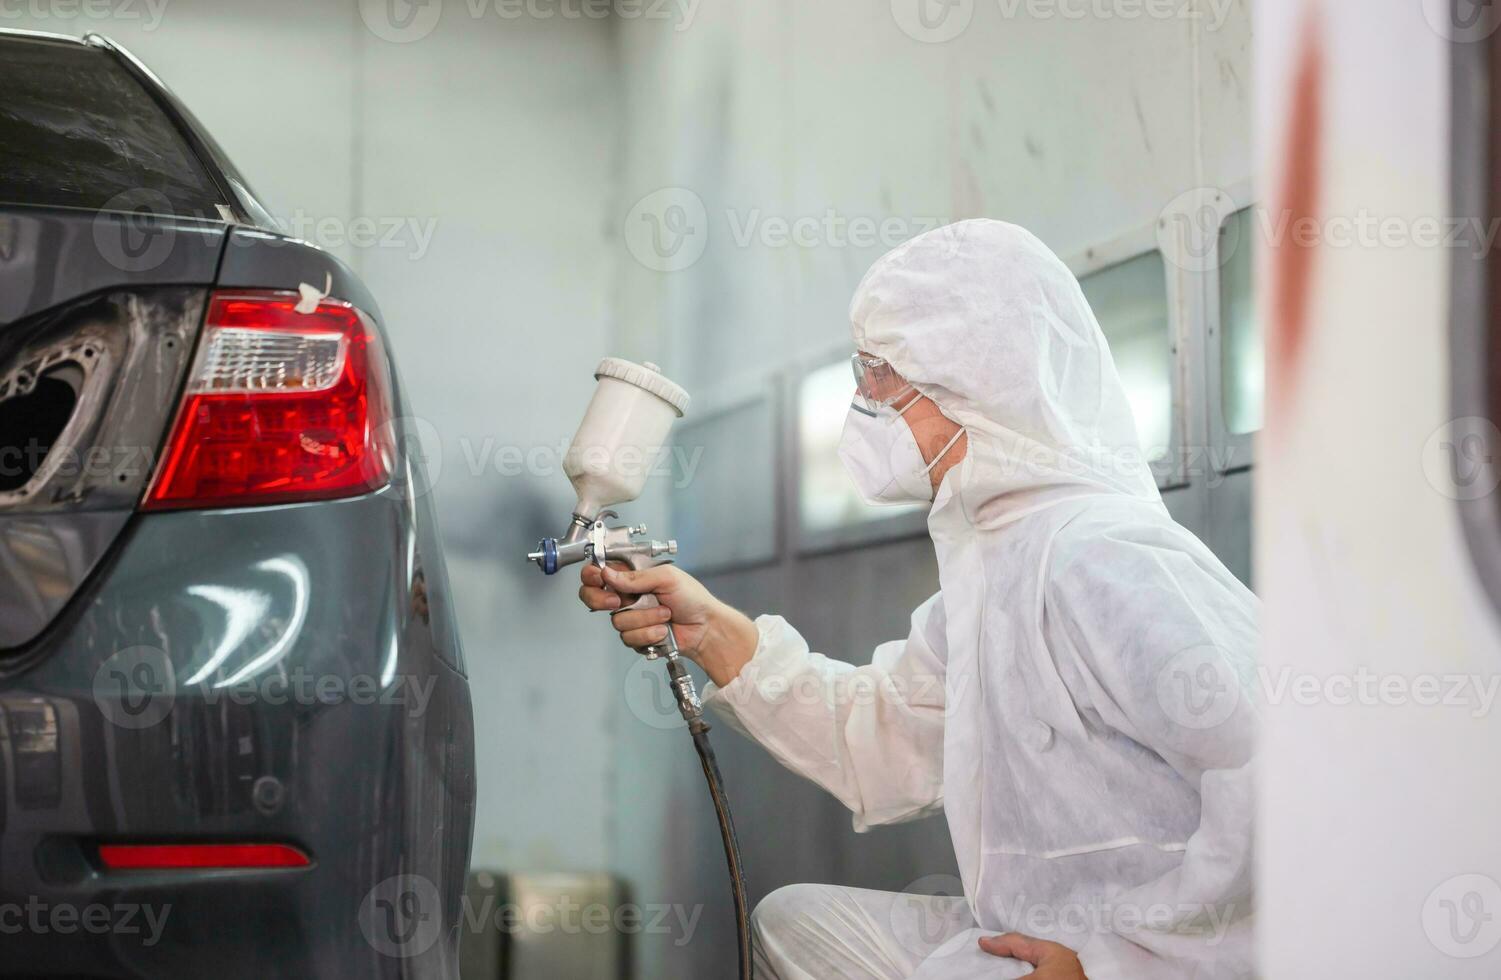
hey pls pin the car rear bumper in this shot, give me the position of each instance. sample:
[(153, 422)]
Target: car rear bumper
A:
[(283, 674)]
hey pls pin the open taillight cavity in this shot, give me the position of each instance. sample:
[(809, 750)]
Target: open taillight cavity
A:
[(280, 406)]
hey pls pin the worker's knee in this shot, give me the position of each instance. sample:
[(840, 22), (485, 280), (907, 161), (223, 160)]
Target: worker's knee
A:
[(788, 909)]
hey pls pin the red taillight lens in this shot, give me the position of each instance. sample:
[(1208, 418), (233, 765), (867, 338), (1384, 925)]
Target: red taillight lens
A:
[(280, 406), (162, 857)]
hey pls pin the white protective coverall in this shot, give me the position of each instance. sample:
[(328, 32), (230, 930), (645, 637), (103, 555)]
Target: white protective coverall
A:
[(1089, 736)]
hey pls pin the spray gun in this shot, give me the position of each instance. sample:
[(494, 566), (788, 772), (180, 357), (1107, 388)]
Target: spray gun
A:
[(627, 421)]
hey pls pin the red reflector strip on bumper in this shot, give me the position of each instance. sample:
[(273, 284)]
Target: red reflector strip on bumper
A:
[(160, 857)]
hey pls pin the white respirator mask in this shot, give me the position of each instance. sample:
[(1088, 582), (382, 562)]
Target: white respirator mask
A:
[(881, 455)]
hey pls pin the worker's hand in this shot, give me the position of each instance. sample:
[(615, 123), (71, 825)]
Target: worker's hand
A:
[(1053, 961), (715, 636)]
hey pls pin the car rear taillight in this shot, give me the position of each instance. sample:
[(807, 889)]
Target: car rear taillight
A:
[(280, 406)]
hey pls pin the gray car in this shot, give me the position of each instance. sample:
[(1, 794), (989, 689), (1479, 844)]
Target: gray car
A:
[(236, 737)]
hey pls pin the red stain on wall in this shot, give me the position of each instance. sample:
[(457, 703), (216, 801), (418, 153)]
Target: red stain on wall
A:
[(1292, 257)]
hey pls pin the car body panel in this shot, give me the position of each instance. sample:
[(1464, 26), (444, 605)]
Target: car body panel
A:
[(328, 721), (49, 256), (287, 674)]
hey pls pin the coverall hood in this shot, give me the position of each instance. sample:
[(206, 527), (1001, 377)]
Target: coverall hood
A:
[(984, 319)]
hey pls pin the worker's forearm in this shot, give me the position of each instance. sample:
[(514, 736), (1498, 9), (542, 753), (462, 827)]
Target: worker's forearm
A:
[(730, 641)]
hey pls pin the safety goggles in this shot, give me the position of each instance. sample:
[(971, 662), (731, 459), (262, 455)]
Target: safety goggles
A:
[(877, 383)]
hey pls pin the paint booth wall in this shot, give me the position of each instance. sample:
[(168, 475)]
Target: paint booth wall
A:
[(485, 179), (767, 114)]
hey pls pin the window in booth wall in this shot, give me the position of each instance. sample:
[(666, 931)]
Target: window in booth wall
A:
[(1130, 301), (1242, 358), (826, 496)]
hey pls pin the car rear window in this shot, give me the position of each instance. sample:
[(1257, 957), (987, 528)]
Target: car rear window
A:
[(76, 130)]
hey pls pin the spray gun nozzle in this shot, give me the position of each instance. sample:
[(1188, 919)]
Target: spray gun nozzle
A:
[(552, 554), (546, 555)]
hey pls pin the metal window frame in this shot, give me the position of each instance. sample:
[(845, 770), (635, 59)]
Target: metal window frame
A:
[(1475, 189), (1170, 472), (1234, 451), (806, 541), (730, 397)]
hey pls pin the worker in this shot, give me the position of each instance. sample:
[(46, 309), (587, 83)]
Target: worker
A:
[(1076, 698)]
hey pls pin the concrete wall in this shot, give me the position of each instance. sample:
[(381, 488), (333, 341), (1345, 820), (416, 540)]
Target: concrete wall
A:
[(1081, 128)]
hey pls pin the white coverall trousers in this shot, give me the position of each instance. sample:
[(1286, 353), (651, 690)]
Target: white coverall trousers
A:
[(830, 932)]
